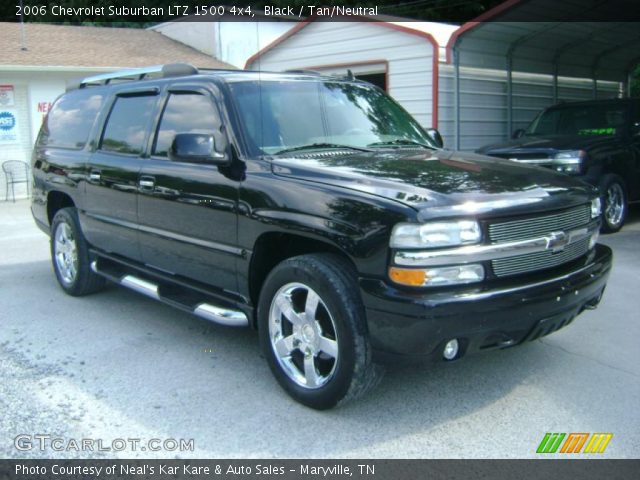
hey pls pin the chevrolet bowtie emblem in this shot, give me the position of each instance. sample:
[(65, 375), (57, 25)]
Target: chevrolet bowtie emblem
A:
[(556, 241)]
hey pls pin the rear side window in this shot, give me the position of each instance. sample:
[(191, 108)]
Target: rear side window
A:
[(127, 124), (185, 113), (70, 120)]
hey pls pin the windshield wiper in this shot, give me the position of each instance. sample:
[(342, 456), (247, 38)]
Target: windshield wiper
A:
[(401, 141), (321, 145)]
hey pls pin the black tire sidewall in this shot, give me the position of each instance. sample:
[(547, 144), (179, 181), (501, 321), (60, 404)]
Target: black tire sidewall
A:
[(348, 323), (606, 183)]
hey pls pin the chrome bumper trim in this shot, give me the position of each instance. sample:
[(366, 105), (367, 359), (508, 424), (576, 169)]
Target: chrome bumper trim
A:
[(555, 241)]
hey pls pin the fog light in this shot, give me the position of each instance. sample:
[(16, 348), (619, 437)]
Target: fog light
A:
[(450, 349), (596, 207)]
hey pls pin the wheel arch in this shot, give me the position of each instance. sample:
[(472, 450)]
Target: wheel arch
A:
[(57, 200), (271, 248)]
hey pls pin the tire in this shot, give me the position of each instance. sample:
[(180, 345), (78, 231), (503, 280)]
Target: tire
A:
[(70, 255), (337, 365), (614, 203)]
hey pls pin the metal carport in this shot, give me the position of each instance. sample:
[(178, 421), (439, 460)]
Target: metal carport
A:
[(550, 37)]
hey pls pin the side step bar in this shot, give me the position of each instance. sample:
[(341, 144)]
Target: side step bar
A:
[(208, 311), (134, 283)]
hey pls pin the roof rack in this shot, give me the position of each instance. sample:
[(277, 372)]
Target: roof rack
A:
[(161, 71), (349, 75), (304, 72)]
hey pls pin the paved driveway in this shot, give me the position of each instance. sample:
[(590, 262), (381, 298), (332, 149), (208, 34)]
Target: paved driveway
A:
[(117, 365)]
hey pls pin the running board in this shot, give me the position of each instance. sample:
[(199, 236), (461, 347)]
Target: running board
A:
[(208, 311), (141, 286), (232, 318)]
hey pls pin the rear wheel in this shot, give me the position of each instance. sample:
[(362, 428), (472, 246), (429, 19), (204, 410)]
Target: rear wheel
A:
[(313, 331), (614, 203), (70, 255)]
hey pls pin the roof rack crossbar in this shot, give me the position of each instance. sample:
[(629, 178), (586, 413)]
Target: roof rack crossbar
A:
[(164, 71)]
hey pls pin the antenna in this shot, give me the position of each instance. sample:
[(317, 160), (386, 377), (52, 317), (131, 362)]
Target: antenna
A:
[(23, 33)]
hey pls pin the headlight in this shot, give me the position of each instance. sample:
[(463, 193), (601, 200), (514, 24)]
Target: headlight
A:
[(437, 276), (435, 234), (596, 207), (569, 161)]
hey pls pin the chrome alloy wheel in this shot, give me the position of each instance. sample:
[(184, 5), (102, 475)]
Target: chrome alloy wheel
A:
[(614, 204), (303, 335), (66, 253)]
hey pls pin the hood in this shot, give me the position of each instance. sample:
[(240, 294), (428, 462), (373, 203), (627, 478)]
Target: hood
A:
[(440, 182), (545, 145)]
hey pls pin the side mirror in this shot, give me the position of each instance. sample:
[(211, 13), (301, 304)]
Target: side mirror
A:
[(196, 148), (517, 134), (435, 137)]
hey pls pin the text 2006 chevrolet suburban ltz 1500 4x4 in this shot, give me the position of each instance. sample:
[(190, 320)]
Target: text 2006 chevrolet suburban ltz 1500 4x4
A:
[(316, 210)]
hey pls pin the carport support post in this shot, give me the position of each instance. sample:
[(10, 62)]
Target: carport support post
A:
[(456, 95), (509, 96)]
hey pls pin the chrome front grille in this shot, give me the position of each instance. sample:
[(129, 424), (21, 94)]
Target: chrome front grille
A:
[(537, 227), (539, 261)]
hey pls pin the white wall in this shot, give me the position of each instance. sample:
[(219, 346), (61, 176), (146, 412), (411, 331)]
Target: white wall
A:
[(231, 42), (237, 41), (483, 102), (18, 150), (199, 35), (329, 43)]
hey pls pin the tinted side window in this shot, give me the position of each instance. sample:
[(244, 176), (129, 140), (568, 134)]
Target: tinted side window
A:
[(185, 113), (70, 120), (127, 123)]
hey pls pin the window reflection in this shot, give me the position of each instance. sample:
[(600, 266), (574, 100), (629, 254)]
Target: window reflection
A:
[(277, 115), (70, 120), (185, 113), (127, 123)]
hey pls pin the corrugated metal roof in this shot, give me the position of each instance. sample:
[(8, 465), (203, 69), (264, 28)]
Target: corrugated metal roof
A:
[(565, 37)]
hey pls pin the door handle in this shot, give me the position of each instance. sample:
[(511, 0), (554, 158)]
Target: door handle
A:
[(94, 176)]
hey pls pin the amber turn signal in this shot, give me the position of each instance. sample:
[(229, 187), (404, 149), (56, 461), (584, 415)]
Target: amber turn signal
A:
[(408, 276)]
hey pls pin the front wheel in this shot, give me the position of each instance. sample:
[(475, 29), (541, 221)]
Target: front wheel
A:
[(313, 331), (614, 203)]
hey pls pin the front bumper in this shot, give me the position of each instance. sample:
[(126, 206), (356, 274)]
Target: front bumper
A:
[(405, 325)]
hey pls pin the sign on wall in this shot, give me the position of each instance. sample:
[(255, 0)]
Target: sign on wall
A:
[(6, 96), (8, 126)]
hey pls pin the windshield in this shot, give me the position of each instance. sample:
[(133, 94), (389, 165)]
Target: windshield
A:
[(604, 119), (281, 116)]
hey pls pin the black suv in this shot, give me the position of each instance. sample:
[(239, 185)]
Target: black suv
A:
[(316, 210), (596, 141)]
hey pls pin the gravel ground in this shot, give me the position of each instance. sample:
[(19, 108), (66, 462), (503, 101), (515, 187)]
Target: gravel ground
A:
[(117, 365)]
